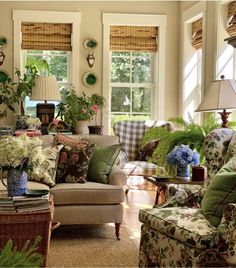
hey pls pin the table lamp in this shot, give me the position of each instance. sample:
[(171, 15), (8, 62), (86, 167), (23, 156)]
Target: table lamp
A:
[(46, 89), (221, 95)]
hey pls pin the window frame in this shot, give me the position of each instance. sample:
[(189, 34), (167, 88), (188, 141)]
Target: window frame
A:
[(26, 53), (132, 85), (159, 76), (188, 17), (54, 17)]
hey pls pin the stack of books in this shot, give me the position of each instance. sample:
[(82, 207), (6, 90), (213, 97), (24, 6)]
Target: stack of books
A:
[(24, 203), (5, 131), (29, 133)]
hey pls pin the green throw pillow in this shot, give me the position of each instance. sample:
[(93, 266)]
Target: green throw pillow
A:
[(220, 192), (102, 162)]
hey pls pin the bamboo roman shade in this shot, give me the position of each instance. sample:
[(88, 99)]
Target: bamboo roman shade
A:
[(197, 34), (231, 25), (133, 38), (46, 36)]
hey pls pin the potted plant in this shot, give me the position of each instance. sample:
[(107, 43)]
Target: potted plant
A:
[(98, 102), (76, 110), (17, 156), (33, 123), (15, 92), (27, 256), (190, 134)]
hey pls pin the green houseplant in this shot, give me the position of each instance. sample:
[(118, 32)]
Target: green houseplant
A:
[(26, 257), (73, 108), (190, 134), (98, 102), (12, 93)]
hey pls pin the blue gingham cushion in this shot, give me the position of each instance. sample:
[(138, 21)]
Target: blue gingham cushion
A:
[(139, 168)]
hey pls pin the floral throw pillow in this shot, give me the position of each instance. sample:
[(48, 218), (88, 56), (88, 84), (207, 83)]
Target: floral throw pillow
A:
[(146, 152), (66, 140), (73, 163), (46, 169)]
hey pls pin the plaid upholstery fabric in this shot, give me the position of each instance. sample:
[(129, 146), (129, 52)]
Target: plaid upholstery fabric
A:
[(122, 158), (139, 168), (130, 134)]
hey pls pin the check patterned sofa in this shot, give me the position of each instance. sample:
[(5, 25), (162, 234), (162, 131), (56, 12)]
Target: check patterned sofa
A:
[(130, 134), (179, 233)]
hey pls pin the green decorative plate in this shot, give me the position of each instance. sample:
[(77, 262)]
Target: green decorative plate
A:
[(89, 79), (90, 43), (3, 76)]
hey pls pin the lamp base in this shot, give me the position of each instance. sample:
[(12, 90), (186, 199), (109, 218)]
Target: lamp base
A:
[(45, 112), (224, 117)]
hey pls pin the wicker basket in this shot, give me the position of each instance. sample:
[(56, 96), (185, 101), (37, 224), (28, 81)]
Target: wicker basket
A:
[(21, 227)]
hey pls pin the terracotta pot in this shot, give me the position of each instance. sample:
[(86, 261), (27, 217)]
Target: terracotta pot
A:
[(81, 127)]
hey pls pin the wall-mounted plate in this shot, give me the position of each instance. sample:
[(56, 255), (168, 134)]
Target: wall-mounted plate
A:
[(90, 43), (3, 76), (89, 79)]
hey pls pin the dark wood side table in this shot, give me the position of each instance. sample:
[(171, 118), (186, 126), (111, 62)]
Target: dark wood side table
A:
[(161, 186)]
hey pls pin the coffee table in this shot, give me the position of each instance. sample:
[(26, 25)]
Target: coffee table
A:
[(161, 185)]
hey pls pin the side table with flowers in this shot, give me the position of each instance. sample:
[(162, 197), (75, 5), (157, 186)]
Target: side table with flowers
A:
[(17, 156), (182, 156)]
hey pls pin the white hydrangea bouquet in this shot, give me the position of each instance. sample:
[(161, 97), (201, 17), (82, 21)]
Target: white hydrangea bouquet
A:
[(33, 122), (20, 152)]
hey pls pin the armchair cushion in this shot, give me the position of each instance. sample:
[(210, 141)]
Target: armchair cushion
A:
[(139, 168), (220, 192), (184, 224)]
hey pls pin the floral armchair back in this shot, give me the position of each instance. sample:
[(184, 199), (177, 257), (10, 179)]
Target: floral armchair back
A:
[(216, 146)]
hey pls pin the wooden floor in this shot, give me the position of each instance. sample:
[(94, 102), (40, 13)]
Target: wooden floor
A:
[(134, 201)]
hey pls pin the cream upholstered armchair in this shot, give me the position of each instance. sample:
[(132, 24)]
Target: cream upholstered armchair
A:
[(196, 228)]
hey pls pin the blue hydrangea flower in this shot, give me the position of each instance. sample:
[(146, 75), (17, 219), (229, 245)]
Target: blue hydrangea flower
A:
[(183, 155)]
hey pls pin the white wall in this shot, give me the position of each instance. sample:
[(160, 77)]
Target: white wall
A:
[(91, 26)]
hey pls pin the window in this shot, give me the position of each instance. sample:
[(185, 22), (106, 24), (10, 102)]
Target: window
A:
[(192, 47), (132, 85), (63, 61), (133, 80), (59, 65)]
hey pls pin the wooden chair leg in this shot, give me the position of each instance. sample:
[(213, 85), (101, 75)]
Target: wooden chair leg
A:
[(117, 226)]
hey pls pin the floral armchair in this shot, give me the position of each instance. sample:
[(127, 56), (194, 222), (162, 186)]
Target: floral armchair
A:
[(181, 233)]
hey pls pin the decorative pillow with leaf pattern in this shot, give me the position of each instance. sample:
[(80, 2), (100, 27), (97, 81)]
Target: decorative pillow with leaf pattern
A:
[(45, 171)]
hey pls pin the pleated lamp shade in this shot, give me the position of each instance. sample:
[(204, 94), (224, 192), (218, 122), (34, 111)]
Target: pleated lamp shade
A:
[(46, 88), (220, 95)]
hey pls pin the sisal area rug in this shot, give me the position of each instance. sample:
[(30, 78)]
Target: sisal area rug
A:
[(92, 246)]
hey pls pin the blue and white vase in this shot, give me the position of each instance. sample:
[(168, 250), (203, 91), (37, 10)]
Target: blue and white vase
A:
[(183, 172), (16, 182)]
